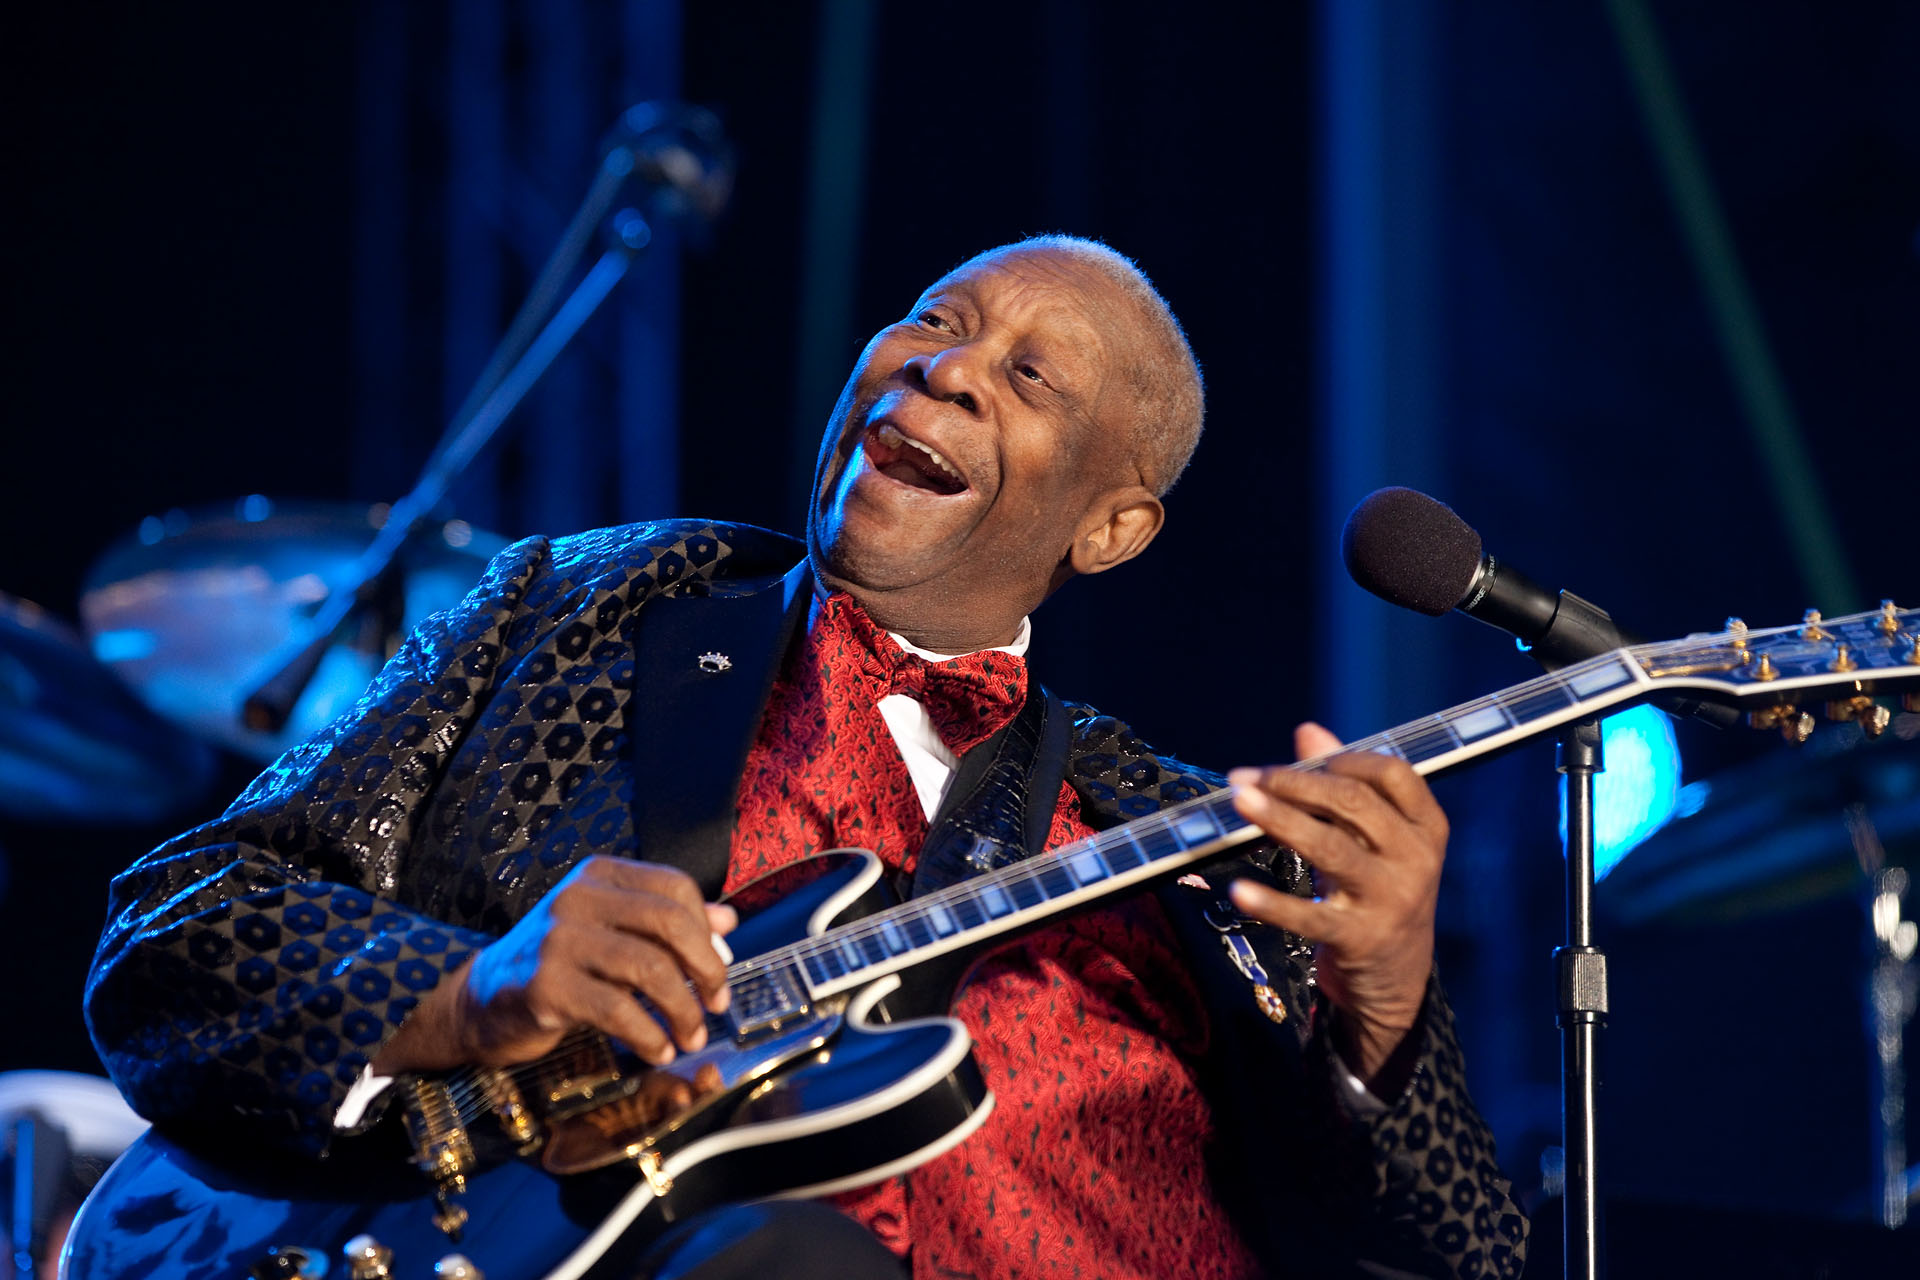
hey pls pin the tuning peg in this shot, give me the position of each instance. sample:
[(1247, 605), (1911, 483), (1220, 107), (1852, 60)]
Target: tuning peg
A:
[(1764, 669), (1810, 628), (1795, 725), (1889, 623), (1864, 711), (1842, 659)]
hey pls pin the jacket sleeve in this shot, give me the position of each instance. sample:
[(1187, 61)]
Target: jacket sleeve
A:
[(1318, 1186), (256, 963)]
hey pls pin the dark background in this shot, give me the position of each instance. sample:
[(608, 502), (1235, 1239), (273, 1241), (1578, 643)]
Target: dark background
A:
[(264, 249)]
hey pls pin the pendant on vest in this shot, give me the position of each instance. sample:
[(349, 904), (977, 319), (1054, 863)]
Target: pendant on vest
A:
[(1227, 920)]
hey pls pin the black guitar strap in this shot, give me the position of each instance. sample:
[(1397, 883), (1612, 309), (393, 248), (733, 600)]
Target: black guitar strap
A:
[(1000, 806)]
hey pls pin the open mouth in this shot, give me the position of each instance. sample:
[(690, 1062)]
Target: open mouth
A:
[(911, 463)]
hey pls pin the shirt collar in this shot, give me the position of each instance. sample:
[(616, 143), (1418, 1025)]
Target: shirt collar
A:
[(1021, 639)]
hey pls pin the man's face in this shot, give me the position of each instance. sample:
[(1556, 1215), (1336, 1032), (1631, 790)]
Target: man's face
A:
[(974, 435)]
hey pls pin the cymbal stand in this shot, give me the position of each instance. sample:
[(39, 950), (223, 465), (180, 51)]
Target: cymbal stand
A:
[(679, 157), (1582, 984)]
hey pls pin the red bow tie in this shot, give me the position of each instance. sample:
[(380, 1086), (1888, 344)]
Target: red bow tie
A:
[(969, 697)]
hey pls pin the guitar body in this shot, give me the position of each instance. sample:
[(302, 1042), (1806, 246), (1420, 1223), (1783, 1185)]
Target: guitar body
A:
[(852, 1096)]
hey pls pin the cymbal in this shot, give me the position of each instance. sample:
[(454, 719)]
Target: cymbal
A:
[(1772, 834), (195, 609), (75, 744), (96, 1120)]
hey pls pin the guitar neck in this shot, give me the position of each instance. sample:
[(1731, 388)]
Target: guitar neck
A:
[(1081, 874), (1845, 655)]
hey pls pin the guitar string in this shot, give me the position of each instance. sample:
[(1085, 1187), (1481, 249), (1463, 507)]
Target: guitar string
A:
[(834, 941)]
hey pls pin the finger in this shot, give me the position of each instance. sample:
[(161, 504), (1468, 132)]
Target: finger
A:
[(1310, 739), (1330, 848), (609, 1007), (645, 968), (1347, 797), (722, 918), (1314, 921), (1395, 779), (645, 877), (688, 934)]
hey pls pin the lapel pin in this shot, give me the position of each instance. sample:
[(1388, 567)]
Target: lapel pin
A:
[(714, 663)]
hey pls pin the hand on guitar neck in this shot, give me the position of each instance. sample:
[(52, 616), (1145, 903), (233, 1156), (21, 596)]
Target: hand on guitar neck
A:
[(1375, 837), (611, 929)]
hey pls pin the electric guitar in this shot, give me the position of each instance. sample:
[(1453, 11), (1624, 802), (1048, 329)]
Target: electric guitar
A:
[(816, 1079)]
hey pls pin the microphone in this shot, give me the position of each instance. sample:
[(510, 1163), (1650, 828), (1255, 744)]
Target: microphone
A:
[(677, 151), (1413, 551)]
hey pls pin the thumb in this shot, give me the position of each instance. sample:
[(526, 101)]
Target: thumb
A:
[(1310, 739)]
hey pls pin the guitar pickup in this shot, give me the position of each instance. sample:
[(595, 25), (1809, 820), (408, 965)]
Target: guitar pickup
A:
[(766, 1001)]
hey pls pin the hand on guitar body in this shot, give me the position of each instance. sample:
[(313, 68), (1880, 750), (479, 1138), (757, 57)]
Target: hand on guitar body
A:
[(613, 929), (1375, 837)]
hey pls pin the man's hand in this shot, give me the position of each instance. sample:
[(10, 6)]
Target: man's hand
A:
[(1375, 837), (611, 930)]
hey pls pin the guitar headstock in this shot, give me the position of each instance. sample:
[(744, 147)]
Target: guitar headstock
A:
[(1844, 661)]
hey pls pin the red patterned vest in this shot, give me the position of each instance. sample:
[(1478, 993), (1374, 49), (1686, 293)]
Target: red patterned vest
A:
[(1093, 1161)]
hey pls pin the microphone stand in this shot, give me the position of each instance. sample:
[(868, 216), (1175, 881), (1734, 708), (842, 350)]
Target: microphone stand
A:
[(268, 706), (1582, 983), (696, 173)]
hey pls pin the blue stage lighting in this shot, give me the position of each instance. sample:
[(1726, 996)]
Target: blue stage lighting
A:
[(1639, 789)]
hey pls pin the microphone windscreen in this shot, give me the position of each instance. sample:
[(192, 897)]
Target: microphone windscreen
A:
[(1410, 550)]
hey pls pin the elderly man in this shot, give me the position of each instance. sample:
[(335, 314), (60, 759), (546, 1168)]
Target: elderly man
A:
[(528, 821)]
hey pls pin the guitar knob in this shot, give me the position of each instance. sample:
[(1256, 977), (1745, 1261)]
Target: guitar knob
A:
[(456, 1266), (290, 1262), (368, 1259), (1797, 727)]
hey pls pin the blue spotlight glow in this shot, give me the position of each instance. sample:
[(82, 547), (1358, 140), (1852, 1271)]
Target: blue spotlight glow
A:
[(1639, 789)]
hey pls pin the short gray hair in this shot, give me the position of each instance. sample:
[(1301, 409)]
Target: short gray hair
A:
[(1169, 395)]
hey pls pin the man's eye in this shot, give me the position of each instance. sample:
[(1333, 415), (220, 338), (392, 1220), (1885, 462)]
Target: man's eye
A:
[(933, 319), (1030, 373)]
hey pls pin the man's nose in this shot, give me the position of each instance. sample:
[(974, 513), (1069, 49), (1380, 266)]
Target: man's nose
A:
[(950, 374)]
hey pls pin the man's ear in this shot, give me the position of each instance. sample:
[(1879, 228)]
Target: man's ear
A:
[(1117, 528)]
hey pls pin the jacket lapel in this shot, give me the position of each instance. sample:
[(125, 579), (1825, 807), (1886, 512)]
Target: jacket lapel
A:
[(706, 664)]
